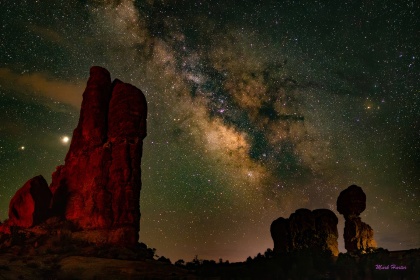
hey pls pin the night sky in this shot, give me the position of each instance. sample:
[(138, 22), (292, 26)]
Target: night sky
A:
[(256, 109)]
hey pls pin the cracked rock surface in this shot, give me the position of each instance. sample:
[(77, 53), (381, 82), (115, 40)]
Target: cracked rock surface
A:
[(98, 187)]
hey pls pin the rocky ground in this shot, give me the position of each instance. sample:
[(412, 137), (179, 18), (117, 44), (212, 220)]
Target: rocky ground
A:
[(55, 250), (52, 266)]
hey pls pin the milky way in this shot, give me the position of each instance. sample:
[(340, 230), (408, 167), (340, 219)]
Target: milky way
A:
[(256, 110)]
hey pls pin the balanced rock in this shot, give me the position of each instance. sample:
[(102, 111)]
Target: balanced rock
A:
[(351, 201), (30, 204), (315, 230), (98, 187), (358, 236)]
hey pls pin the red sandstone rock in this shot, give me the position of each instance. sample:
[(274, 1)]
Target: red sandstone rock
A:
[(351, 201), (98, 188), (30, 204), (91, 131), (315, 230)]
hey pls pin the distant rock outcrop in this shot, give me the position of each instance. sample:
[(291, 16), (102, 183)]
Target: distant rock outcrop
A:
[(30, 204), (358, 236), (98, 187), (315, 230)]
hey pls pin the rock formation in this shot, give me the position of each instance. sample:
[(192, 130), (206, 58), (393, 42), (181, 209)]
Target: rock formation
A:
[(351, 201), (358, 236), (315, 230), (98, 187), (30, 205)]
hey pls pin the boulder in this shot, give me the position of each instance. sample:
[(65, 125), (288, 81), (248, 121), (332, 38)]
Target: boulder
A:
[(30, 204), (351, 201)]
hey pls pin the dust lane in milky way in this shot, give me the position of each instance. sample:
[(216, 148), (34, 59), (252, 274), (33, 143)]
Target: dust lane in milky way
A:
[(256, 110)]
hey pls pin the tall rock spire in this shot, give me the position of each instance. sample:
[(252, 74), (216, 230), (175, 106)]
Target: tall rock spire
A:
[(98, 187)]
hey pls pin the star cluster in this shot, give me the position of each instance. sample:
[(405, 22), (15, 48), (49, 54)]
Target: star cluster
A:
[(257, 108)]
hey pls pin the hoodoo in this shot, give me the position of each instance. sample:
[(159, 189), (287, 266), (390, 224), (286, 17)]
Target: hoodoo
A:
[(358, 236)]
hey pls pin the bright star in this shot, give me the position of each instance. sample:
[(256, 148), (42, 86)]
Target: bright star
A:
[(65, 139)]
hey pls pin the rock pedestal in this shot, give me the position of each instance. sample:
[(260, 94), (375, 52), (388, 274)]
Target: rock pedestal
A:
[(358, 236)]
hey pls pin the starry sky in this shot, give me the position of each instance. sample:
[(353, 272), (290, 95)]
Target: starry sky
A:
[(256, 109)]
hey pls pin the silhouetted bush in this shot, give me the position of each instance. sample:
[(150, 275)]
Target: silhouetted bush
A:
[(164, 260), (180, 263)]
